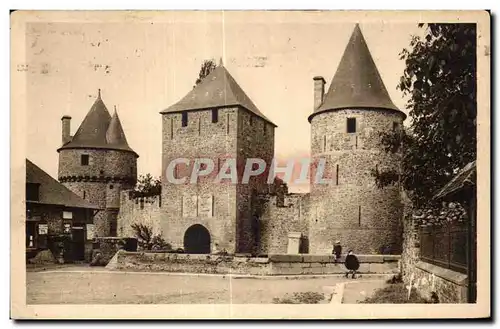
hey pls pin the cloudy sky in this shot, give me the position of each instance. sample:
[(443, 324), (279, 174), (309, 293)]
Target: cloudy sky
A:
[(144, 64)]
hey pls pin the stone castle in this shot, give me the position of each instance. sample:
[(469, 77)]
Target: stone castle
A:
[(217, 120)]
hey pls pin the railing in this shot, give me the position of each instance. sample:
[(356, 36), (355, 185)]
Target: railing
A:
[(445, 245)]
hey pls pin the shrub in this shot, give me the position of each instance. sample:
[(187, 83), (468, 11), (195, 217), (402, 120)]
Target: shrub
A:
[(395, 294), (309, 297), (147, 241)]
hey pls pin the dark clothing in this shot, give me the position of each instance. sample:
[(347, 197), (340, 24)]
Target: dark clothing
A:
[(337, 251), (351, 263)]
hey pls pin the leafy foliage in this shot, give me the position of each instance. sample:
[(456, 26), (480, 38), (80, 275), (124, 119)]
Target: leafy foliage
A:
[(440, 81), (147, 185), (147, 240), (207, 67)]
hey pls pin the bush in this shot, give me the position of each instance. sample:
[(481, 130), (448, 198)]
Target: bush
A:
[(147, 241), (395, 294), (309, 297)]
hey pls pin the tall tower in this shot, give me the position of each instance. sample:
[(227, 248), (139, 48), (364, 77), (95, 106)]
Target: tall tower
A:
[(218, 121), (345, 130), (97, 163)]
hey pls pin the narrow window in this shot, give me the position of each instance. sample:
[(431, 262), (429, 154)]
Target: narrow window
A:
[(251, 120), (395, 126), (84, 194), (376, 168), (199, 126), (227, 124), (215, 116), (337, 176), (324, 143), (356, 141), (351, 125), (171, 128), (264, 127), (159, 201), (111, 186), (359, 215), (184, 119), (142, 203), (85, 159), (101, 172)]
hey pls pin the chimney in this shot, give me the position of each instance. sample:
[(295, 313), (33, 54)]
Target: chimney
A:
[(66, 129), (319, 91)]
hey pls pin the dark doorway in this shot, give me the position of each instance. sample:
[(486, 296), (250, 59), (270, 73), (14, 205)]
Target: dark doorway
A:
[(197, 240), (78, 243)]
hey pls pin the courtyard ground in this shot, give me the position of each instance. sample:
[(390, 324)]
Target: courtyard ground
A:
[(84, 285)]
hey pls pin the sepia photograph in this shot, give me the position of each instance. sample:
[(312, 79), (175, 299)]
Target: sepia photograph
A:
[(250, 164)]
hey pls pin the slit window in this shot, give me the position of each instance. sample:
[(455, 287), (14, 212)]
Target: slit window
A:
[(395, 126), (351, 125), (84, 160), (184, 119), (215, 116), (337, 176)]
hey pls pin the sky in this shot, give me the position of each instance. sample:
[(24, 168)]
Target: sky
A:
[(145, 64)]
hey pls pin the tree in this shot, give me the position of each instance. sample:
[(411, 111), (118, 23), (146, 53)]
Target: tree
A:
[(440, 80), (207, 67), (147, 185), (147, 240)]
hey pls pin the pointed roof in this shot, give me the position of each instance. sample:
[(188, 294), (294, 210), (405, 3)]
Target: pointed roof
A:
[(357, 82), (115, 137), (93, 131), (53, 192), (218, 89)]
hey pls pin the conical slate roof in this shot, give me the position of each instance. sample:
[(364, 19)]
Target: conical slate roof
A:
[(94, 131), (115, 137), (357, 82), (218, 89)]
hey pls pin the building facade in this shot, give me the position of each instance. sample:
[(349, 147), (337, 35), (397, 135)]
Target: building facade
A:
[(97, 163), (216, 120), (55, 215), (346, 127)]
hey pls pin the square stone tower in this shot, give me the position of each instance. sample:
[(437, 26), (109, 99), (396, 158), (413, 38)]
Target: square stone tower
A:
[(218, 121)]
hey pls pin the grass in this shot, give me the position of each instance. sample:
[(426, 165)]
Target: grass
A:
[(395, 294), (300, 298)]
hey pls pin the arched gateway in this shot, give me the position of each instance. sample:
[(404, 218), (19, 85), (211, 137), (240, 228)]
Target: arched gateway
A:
[(197, 240)]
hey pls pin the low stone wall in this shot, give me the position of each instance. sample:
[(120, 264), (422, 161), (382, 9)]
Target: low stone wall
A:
[(279, 264), (450, 286)]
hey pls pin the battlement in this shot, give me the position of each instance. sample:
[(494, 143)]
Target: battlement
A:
[(138, 209)]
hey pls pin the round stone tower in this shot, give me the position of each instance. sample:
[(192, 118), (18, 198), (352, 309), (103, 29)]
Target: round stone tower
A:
[(345, 131), (97, 163)]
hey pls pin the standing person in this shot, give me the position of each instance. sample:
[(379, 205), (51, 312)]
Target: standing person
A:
[(337, 250), (352, 264)]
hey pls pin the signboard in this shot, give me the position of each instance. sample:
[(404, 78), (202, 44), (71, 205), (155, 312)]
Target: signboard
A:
[(67, 215), (90, 231), (43, 229), (189, 206), (205, 206)]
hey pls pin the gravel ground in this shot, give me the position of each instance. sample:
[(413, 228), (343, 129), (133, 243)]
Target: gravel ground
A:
[(99, 287)]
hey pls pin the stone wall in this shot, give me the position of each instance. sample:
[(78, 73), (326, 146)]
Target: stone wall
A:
[(200, 138), (278, 264), (351, 208), (144, 210), (100, 182), (281, 219), (234, 136), (448, 285), (255, 140)]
